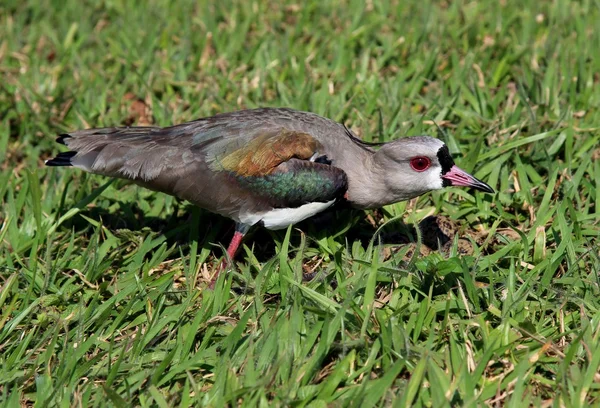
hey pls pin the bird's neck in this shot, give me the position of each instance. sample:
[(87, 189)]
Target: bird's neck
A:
[(366, 184)]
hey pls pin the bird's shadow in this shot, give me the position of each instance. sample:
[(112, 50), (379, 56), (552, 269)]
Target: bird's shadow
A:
[(214, 230)]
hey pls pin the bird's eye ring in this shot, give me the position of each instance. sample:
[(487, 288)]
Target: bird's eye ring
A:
[(420, 163)]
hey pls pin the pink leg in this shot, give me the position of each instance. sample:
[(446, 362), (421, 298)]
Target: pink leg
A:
[(231, 250), (234, 244)]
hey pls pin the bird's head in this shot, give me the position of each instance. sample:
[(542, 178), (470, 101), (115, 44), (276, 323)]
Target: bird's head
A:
[(415, 165)]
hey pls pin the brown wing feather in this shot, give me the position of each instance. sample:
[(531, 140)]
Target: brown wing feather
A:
[(265, 152)]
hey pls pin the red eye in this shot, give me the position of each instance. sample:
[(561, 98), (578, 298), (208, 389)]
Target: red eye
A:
[(420, 163)]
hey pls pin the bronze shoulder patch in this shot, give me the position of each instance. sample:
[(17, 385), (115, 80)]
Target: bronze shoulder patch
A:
[(265, 152)]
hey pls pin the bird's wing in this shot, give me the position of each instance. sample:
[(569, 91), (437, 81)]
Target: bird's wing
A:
[(144, 152), (274, 164), (279, 166), (135, 153)]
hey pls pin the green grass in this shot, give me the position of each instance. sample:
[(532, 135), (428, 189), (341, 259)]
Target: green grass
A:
[(104, 300)]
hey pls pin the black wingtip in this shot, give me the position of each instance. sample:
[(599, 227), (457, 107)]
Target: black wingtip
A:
[(61, 138), (63, 159)]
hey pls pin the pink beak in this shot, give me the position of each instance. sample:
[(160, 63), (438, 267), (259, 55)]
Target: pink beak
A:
[(458, 177)]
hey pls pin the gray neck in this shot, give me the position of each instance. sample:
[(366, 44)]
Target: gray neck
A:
[(366, 184)]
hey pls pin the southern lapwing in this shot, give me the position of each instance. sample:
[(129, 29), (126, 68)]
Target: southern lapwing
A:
[(272, 167)]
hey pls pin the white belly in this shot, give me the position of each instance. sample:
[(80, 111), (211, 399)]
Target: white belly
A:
[(280, 218)]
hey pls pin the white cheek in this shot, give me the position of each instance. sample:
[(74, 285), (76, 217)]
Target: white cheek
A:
[(433, 179)]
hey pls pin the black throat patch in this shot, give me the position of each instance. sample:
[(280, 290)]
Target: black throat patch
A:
[(445, 159)]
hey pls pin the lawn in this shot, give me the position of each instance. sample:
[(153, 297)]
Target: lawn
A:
[(104, 297)]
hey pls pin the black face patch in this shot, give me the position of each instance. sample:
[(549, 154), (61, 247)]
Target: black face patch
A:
[(445, 159)]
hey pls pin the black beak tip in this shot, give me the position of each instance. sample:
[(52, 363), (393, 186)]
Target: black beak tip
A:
[(481, 186)]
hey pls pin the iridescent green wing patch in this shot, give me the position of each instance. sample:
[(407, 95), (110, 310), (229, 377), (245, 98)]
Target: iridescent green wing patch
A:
[(297, 182)]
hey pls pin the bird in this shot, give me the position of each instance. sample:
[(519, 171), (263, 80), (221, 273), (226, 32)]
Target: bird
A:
[(266, 166)]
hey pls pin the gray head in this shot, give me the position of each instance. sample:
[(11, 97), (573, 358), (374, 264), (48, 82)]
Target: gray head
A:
[(412, 166)]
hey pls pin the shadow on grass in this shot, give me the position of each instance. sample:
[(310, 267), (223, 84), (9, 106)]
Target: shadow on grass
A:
[(214, 230)]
